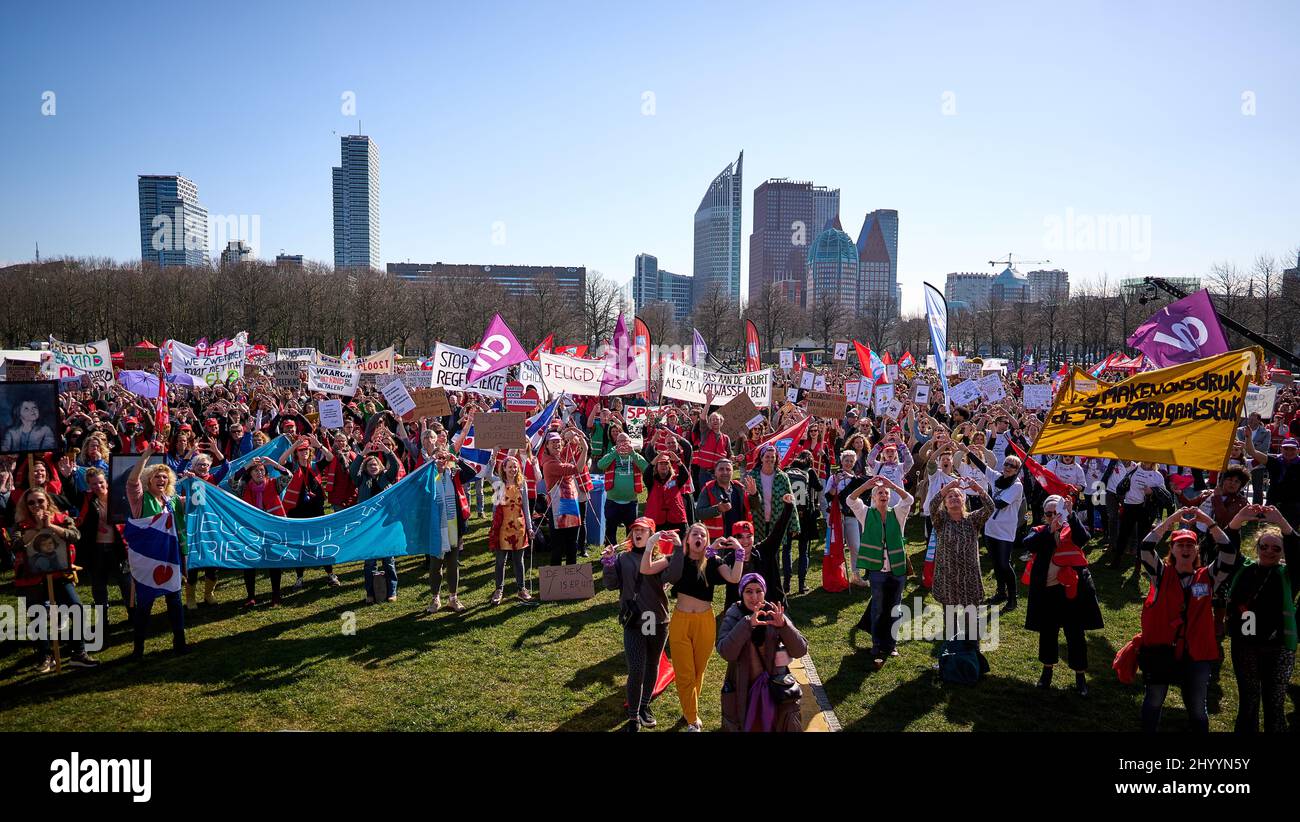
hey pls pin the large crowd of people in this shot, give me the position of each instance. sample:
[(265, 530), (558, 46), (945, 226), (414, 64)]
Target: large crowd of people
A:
[(689, 508)]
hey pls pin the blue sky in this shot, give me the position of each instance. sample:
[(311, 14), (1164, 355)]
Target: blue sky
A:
[(981, 123)]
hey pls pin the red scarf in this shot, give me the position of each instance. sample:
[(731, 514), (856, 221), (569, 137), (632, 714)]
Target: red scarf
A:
[(265, 498)]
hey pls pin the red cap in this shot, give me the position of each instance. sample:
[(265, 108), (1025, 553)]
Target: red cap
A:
[(742, 527), (185, 426), (1182, 534), (644, 522)]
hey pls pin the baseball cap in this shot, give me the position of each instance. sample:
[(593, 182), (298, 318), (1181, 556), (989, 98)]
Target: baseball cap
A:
[(644, 522), (1291, 442), (1184, 534), (743, 527)]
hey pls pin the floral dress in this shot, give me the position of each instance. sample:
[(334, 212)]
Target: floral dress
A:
[(957, 578)]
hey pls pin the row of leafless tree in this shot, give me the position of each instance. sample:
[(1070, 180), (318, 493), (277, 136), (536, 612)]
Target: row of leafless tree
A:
[(92, 299)]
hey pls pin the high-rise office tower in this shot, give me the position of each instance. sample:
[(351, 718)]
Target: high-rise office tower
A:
[(833, 271), (652, 284), (788, 216), (717, 234), (878, 260), (356, 204), (173, 225)]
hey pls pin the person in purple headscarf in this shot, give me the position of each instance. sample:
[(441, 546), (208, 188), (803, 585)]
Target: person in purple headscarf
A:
[(758, 640)]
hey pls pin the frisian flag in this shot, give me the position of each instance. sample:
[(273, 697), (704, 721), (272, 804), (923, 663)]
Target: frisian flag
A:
[(153, 551), (784, 442)]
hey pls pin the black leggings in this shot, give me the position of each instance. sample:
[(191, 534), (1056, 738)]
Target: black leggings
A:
[(643, 654), (250, 582), (787, 548), (1262, 671), (175, 615), (1000, 555), (564, 545)]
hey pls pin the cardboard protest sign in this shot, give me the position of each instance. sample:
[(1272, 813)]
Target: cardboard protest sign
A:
[(841, 351), (806, 379), (830, 406), (563, 582), (331, 413), (430, 402), (500, 429), (287, 375), (333, 380), (964, 393), (1037, 396), (736, 415), (787, 359), (21, 371), (140, 359), (991, 387), (398, 398), (819, 384)]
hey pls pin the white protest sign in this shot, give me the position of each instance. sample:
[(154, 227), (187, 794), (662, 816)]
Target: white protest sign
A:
[(331, 413), (991, 387), (851, 391), (381, 362), (1260, 399), (303, 355), (398, 398), (1040, 396), (787, 359), (882, 397), (792, 394), (92, 359), (841, 351), (333, 380), (921, 393), (685, 382), (894, 408), (530, 374), (892, 371), (216, 363), (580, 377), (964, 393), (806, 380), (449, 366), (819, 384)]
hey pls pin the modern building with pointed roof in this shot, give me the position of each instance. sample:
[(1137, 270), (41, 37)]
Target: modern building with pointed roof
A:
[(878, 263), (717, 234), (833, 271)]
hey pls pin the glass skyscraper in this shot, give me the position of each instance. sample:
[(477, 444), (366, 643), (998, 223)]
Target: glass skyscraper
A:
[(788, 217), (833, 271), (717, 234), (173, 226), (652, 284), (878, 260), (356, 204)]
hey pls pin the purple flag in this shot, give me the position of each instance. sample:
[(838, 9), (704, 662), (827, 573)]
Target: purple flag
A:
[(1183, 331), (620, 360), (498, 349), (701, 348)]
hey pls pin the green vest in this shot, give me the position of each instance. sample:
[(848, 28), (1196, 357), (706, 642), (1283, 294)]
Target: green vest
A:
[(1288, 602), (875, 534)]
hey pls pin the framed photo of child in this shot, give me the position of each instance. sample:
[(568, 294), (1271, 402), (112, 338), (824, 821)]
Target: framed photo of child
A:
[(30, 418), (47, 553)]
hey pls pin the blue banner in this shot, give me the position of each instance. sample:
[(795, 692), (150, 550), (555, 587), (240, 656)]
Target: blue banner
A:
[(277, 449), (223, 531)]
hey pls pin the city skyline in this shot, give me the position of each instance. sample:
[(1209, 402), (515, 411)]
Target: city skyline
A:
[(1077, 149)]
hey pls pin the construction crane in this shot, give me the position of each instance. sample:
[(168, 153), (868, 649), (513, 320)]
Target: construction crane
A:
[(1009, 263), (1152, 283)]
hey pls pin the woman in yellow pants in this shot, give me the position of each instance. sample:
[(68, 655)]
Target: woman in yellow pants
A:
[(694, 570)]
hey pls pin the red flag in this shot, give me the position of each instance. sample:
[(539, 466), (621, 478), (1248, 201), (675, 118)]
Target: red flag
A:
[(887, 358), (784, 442), (349, 351), (161, 417), (544, 345), (753, 360), (864, 358), (641, 341), (1051, 483), (803, 363), (906, 360)]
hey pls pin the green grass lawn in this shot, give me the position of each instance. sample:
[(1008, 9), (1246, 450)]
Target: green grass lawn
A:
[(530, 667)]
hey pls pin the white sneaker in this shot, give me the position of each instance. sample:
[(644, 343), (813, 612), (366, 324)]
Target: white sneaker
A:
[(297, 584), (695, 727), (435, 606)]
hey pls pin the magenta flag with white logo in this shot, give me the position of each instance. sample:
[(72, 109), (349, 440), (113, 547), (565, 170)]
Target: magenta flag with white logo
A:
[(498, 349), (620, 360), (1183, 331)]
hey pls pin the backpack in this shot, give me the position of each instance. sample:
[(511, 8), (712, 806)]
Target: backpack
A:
[(961, 662), (1121, 490)]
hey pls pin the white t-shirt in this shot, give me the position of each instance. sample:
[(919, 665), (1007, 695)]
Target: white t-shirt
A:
[(900, 509), (1003, 523), (1072, 473), (1142, 479), (1121, 468)]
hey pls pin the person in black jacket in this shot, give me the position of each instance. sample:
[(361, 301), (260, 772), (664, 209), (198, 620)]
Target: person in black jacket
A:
[(762, 558), (806, 487), (1062, 596)]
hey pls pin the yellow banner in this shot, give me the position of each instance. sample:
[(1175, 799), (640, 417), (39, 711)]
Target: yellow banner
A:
[(1182, 415)]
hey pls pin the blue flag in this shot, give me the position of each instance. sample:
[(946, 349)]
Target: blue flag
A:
[(406, 518), (276, 449)]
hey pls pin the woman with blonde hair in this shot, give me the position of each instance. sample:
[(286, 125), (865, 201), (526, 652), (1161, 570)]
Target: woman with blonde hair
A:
[(693, 573), (511, 528), (151, 490)]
